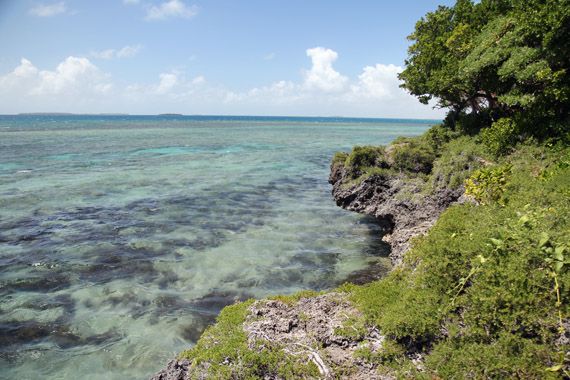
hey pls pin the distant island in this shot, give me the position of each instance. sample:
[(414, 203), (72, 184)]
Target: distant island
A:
[(170, 114), (70, 114)]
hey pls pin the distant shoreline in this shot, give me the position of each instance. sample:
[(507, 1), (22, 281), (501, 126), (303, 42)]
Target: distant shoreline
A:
[(316, 119), (70, 114)]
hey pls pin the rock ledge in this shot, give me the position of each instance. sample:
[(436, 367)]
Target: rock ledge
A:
[(395, 200)]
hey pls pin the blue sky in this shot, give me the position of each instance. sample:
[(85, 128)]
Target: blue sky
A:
[(226, 57)]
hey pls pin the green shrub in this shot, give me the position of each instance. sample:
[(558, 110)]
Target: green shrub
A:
[(488, 185), (385, 302), (411, 155), (487, 292), (458, 161), (222, 341), (438, 135), (507, 358), (339, 159), (364, 157), (500, 137)]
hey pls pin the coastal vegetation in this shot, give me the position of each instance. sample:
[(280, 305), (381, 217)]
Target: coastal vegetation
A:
[(486, 293)]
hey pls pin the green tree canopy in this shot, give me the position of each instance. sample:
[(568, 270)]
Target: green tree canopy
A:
[(495, 59)]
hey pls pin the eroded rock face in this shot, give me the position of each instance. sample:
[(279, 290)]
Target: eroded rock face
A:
[(396, 201), (175, 370)]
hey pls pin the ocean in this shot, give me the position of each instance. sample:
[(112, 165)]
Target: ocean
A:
[(122, 237)]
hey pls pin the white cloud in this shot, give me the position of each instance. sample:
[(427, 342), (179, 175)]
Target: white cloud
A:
[(22, 77), (325, 91), (126, 51), (377, 82), (269, 56), (73, 74), (106, 54), (322, 75), (131, 1), (78, 85), (173, 8), (75, 82), (167, 83), (24, 70), (129, 51), (42, 10)]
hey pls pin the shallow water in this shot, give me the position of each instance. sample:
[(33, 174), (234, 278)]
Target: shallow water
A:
[(121, 238)]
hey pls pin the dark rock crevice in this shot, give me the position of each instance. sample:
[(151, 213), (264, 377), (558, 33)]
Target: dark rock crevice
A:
[(394, 199)]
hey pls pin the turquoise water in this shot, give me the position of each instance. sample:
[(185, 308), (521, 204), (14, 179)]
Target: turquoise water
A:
[(121, 237)]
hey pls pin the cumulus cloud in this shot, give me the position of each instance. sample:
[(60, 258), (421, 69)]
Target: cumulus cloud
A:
[(126, 51), (320, 90), (42, 10), (167, 83), (73, 74), (74, 81), (322, 83), (378, 82), (173, 8), (323, 90), (22, 77), (322, 75)]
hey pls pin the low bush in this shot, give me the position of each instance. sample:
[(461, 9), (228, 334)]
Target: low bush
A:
[(438, 135), (488, 185), (487, 293), (339, 159), (363, 157), (500, 137), (411, 155), (459, 158)]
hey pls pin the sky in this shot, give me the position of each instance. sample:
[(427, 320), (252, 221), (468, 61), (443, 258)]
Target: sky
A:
[(210, 57)]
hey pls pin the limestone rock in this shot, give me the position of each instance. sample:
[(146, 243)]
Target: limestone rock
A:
[(394, 200)]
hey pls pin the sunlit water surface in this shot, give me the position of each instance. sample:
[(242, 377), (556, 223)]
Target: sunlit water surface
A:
[(121, 238)]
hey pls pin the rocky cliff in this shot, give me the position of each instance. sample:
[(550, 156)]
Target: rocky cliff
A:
[(394, 199)]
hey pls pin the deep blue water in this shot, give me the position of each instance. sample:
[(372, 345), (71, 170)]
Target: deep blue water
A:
[(121, 237)]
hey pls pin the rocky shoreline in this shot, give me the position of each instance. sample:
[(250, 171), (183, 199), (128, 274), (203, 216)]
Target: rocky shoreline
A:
[(298, 329), (397, 202)]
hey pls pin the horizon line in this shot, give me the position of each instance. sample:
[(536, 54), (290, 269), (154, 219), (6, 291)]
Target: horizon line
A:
[(206, 115)]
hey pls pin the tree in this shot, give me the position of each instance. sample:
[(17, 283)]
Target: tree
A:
[(495, 59)]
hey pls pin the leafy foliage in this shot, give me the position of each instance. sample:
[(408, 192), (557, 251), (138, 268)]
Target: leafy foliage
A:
[(500, 137), (495, 59), (488, 185), (339, 159), (413, 155), (362, 157), (458, 160), (487, 293)]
